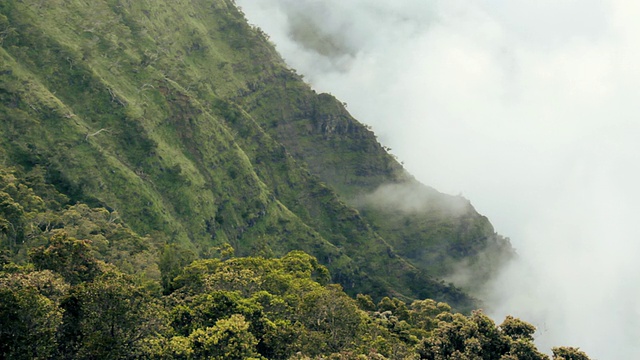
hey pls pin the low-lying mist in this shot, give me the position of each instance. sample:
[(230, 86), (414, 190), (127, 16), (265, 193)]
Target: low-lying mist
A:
[(528, 109)]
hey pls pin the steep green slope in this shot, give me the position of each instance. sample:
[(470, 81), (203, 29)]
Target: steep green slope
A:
[(438, 233), (184, 119), (132, 138)]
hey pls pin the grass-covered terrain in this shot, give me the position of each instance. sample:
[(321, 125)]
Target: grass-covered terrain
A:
[(182, 119), (170, 189)]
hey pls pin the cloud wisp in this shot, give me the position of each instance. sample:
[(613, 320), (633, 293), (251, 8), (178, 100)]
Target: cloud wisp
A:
[(527, 108)]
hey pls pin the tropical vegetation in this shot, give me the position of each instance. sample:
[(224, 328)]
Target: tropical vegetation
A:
[(170, 188)]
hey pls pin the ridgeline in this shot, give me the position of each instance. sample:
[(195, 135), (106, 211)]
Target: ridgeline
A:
[(141, 141)]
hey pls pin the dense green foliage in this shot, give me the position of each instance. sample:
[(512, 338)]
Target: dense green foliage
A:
[(182, 121), (169, 188), (239, 308), (87, 286)]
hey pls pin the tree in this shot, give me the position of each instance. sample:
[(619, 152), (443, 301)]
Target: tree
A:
[(108, 318), (333, 318), (69, 257), (11, 220), (568, 353), (29, 320), (517, 329), (396, 306), (522, 349), (174, 258), (229, 339), (365, 302), (422, 313), (477, 337), (305, 265)]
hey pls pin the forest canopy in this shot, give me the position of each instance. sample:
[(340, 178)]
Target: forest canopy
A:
[(77, 283)]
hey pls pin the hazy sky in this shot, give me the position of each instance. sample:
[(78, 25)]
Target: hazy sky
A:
[(530, 109)]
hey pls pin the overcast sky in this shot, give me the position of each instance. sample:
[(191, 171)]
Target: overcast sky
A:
[(530, 109)]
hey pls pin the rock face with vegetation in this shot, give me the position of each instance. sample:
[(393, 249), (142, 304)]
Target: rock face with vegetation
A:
[(182, 119), (170, 188)]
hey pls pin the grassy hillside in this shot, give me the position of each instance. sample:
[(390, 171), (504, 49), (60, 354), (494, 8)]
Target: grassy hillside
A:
[(182, 119)]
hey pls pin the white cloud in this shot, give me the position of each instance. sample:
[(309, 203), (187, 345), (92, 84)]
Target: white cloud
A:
[(528, 108)]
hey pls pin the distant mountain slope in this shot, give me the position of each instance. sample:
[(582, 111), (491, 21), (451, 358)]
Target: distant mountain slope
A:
[(184, 119), (437, 232)]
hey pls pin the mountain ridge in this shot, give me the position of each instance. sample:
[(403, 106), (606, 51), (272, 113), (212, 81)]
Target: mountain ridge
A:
[(184, 119)]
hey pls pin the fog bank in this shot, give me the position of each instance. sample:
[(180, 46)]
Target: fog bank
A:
[(528, 109)]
